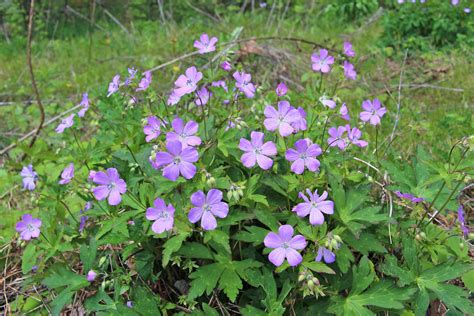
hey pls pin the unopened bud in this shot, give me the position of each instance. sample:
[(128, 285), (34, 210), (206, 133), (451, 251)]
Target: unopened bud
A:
[(301, 278), (315, 281), (423, 235), (310, 284)]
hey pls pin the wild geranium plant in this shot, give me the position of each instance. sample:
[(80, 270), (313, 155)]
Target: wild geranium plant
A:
[(226, 192)]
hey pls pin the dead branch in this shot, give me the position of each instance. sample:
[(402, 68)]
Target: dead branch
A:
[(32, 75)]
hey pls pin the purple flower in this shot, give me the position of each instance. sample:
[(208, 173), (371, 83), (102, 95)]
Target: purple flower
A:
[(153, 128), (349, 71), (176, 161), (327, 102), (281, 119), (84, 218), (114, 85), (173, 98), (315, 206), (454, 2), (285, 246), (467, 10), (230, 125), (184, 133), (28, 227), (91, 175), (202, 96), (322, 61), (257, 151), (162, 215), (226, 66), (462, 222), (65, 123), (207, 207), (220, 83), (328, 255), (205, 45), (91, 275), (129, 304), (348, 51), (281, 89), (110, 186), (29, 177), (373, 111), (145, 82), (300, 124), (244, 84), (336, 137), (67, 174), (353, 136), (409, 197), (187, 83), (304, 156), (132, 72), (85, 105), (344, 112)]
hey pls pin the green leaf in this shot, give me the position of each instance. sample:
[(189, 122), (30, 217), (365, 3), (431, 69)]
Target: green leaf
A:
[(468, 279), (195, 250), (262, 199), (230, 283), (204, 280), (362, 276), (365, 243), (88, 254), (172, 245), (218, 240), (144, 263), (318, 267), (385, 295), (99, 302), (267, 218), (252, 234), (28, 260)]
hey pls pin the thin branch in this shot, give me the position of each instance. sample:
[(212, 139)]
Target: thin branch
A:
[(69, 9), (32, 75), (430, 86), (397, 117), (116, 21), (31, 133)]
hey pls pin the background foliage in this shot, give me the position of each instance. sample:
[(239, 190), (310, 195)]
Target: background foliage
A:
[(418, 55)]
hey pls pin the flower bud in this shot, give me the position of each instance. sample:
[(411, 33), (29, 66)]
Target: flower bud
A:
[(310, 284), (315, 281), (423, 235), (211, 181), (338, 239), (301, 278)]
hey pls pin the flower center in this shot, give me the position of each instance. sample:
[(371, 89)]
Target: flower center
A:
[(111, 185), (176, 160), (164, 215), (206, 208), (189, 83), (30, 227), (257, 151), (303, 156), (285, 245)]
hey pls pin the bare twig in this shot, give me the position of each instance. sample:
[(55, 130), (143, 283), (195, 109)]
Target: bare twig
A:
[(430, 86), (69, 9), (26, 136), (32, 75), (116, 21), (203, 12), (397, 117)]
